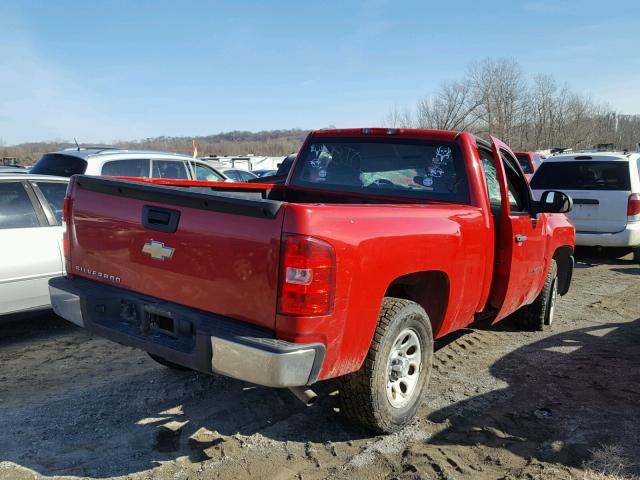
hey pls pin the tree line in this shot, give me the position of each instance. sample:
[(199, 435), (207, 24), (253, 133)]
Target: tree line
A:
[(269, 143), (495, 97)]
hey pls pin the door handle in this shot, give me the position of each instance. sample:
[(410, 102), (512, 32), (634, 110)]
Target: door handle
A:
[(520, 238)]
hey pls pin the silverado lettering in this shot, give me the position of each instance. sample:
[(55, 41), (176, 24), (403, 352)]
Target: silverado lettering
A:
[(94, 273)]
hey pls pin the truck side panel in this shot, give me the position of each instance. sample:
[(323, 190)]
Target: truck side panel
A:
[(376, 244)]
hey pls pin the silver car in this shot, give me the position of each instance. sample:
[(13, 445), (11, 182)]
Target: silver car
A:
[(103, 161), (31, 239)]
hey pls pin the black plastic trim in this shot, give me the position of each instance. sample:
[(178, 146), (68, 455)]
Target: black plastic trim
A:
[(213, 200), (101, 311)]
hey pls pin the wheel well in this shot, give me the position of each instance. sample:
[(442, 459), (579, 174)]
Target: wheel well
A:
[(564, 260), (429, 289)]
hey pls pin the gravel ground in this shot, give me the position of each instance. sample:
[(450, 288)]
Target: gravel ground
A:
[(502, 404)]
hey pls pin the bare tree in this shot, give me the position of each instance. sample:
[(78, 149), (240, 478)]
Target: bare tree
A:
[(494, 97), (452, 107), (399, 118)]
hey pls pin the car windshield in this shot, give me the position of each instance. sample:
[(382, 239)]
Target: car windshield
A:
[(582, 175), (523, 160), (414, 169), (59, 165)]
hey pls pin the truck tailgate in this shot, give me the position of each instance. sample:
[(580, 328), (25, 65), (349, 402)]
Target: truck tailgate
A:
[(222, 257)]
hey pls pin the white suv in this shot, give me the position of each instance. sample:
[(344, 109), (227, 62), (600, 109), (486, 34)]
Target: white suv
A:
[(605, 188), (118, 162)]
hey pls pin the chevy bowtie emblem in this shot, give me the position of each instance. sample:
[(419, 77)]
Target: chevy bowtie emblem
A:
[(157, 250)]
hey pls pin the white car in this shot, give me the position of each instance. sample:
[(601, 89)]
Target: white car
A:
[(117, 162), (31, 239), (605, 188)]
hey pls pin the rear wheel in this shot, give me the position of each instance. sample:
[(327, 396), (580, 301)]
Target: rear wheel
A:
[(636, 254), (166, 363), (386, 392), (541, 312)]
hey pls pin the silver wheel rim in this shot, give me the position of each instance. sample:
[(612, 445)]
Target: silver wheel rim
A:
[(403, 368), (552, 304)]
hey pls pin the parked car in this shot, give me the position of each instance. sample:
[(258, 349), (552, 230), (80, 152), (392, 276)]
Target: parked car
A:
[(125, 163), (237, 175), (380, 242), (31, 239), (529, 162), (281, 174), (13, 169), (605, 188), (264, 173)]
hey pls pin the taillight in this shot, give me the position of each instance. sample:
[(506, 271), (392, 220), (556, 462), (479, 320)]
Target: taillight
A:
[(66, 221), (633, 208), (307, 276)]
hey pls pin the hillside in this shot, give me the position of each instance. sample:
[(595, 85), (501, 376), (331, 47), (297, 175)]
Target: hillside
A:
[(272, 142)]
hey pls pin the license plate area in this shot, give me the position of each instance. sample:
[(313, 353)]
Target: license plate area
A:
[(154, 321), (158, 323)]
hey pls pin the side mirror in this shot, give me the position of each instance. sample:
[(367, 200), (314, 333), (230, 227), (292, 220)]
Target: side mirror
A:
[(553, 201)]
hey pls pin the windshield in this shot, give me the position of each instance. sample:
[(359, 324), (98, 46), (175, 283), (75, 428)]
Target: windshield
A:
[(59, 165), (412, 169), (582, 175), (523, 160)]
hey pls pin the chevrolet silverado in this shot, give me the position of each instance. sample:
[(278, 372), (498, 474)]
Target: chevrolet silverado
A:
[(378, 242)]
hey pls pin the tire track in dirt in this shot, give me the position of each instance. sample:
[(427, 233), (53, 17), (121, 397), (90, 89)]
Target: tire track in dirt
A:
[(81, 406)]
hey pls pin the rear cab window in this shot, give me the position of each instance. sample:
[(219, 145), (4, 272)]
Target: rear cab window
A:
[(403, 168), (59, 165), (582, 175)]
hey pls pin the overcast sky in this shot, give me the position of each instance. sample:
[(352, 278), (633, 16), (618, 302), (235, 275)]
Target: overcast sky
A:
[(103, 71)]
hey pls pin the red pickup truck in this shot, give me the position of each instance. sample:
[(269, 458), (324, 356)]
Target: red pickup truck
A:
[(529, 162), (379, 241)]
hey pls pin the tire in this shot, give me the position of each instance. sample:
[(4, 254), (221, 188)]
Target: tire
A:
[(166, 363), (636, 254), (373, 396), (541, 312)]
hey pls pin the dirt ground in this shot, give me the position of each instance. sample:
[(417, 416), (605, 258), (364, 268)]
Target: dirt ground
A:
[(502, 404)]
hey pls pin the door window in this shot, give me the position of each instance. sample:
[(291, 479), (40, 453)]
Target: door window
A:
[(233, 175), (54, 193), (246, 176), (131, 167), (16, 209), (170, 169), (517, 184), (205, 173), (491, 179)]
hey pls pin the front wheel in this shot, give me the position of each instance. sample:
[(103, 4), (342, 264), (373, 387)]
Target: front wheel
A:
[(386, 392), (542, 311)]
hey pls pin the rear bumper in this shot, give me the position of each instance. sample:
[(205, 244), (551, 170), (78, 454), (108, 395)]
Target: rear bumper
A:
[(192, 338), (629, 237)]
